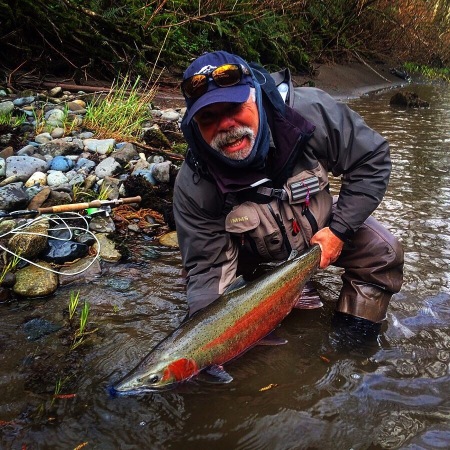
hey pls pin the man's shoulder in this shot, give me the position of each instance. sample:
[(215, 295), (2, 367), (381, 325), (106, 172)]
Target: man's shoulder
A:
[(190, 187), (306, 95)]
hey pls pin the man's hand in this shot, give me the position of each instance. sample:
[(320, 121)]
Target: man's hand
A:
[(330, 245)]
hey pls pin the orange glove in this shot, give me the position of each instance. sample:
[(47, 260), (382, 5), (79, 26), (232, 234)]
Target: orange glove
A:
[(330, 245)]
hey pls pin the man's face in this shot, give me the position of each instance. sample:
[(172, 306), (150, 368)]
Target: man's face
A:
[(230, 128)]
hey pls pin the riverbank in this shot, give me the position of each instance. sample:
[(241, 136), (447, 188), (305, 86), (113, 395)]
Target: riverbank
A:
[(344, 81), (341, 81)]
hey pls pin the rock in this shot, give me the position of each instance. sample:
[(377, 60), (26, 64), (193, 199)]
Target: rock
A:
[(125, 154), (169, 239), (38, 327), (37, 201), (24, 166), (37, 178), (161, 172), (61, 163), (56, 178), (9, 279), (43, 138), (33, 240), (154, 136), (107, 168), (84, 270), (408, 100), (107, 248), (61, 147), (6, 225), (59, 252), (102, 224), (32, 281), (13, 197), (57, 133), (22, 101), (6, 108), (7, 152), (55, 92), (100, 146), (2, 167), (170, 115)]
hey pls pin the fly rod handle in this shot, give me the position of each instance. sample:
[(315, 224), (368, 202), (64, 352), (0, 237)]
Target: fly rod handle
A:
[(125, 200)]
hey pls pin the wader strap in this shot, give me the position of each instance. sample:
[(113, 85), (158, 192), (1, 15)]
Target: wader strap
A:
[(282, 228), (281, 194)]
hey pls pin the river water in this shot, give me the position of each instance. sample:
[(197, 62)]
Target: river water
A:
[(389, 395)]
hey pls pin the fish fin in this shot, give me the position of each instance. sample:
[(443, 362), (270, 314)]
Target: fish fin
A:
[(309, 298), (272, 339), (215, 374), (238, 283)]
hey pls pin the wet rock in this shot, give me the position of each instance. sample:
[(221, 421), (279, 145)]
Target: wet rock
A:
[(35, 281), (84, 270), (32, 242), (6, 225), (102, 224), (38, 327), (107, 248), (9, 280), (408, 100), (59, 252), (169, 239), (2, 167), (5, 294)]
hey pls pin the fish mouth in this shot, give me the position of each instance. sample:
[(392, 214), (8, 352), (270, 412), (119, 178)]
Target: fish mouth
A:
[(115, 391)]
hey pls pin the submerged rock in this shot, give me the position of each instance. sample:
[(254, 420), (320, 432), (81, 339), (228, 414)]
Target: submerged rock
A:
[(408, 100)]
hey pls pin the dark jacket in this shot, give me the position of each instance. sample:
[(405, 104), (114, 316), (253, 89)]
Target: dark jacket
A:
[(214, 232)]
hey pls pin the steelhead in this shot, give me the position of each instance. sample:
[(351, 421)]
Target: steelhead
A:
[(223, 330)]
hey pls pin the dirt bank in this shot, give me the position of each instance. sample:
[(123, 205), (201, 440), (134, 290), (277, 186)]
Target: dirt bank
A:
[(352, 79)]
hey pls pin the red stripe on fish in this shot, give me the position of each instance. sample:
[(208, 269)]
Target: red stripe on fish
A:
[(247, 323)]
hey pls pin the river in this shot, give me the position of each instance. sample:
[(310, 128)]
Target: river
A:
[(390, 395)]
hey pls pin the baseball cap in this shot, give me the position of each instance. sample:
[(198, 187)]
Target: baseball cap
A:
[(205, 64)]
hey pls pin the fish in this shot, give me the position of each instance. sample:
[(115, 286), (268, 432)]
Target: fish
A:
[(238, 320)]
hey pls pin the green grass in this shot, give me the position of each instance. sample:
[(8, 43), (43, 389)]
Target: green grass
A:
[(9, 267), (431, 73), (121, 112), (11, 120)]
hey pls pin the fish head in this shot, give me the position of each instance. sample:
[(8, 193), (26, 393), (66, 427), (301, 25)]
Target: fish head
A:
[(156, 377)]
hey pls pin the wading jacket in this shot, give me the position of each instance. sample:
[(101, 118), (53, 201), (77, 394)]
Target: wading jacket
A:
[(216, 232)]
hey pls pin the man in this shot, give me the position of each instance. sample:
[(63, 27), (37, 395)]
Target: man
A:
[(254, 186)]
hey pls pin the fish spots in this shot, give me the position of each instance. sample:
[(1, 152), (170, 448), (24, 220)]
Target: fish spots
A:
[(181, 369)]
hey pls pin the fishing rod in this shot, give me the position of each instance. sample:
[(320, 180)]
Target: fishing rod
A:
[(70, 207)]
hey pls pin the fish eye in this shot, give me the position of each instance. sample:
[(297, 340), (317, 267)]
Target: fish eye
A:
[(153, 379)]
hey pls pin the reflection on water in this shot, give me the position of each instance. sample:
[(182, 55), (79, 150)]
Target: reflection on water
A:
[(386, 396)]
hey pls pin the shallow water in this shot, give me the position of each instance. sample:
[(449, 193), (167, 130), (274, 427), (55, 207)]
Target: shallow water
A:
[(394, 394)]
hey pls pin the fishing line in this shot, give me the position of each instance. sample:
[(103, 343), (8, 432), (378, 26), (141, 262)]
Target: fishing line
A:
[(61, 225)]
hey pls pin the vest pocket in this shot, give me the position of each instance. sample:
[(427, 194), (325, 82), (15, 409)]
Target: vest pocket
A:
[(257, 229)]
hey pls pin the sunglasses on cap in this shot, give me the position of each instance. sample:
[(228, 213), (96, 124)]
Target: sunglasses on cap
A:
[(224, 76)]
